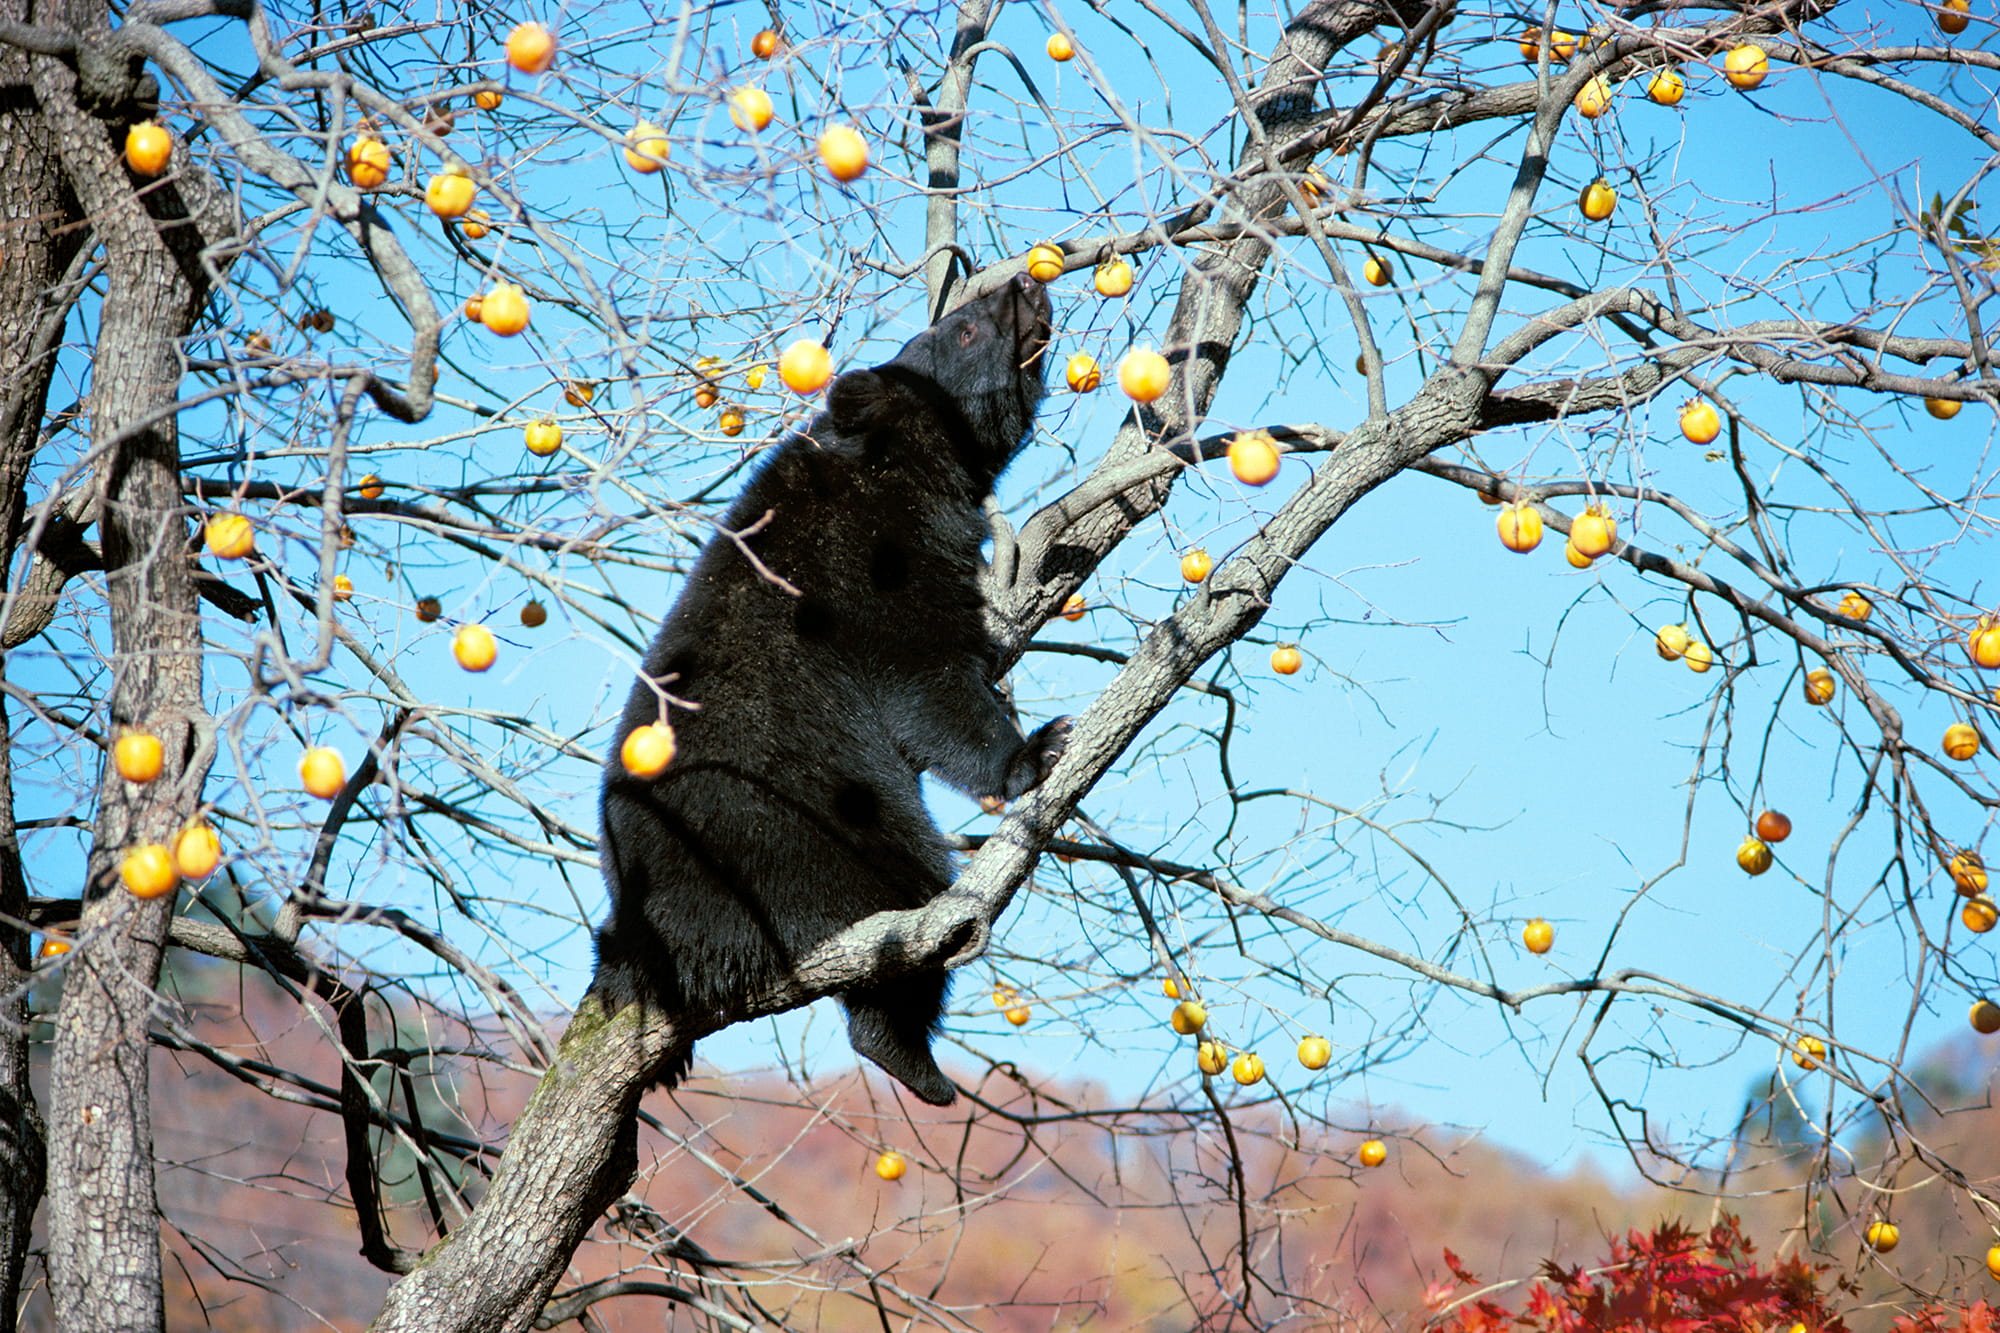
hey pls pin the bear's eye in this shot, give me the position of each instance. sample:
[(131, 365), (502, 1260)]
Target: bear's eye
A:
[(966, 333)]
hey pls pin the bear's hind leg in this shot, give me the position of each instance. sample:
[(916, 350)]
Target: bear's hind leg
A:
[(892, 1024)]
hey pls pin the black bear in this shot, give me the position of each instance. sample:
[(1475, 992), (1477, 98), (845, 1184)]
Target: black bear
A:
[(829, 647)]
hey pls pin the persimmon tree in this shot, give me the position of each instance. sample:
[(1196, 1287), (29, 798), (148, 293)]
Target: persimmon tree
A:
[(406, 344)]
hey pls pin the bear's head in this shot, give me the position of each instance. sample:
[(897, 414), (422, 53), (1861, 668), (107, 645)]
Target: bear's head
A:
[(987, 357)]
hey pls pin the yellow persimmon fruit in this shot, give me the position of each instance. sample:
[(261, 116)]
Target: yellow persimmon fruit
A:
[(1700, 422), (1753, 856), (1188, 1017), (1576, 558), (1745, 66), (1699, 657), (1143, 374), (646, 147), (1538, 935), (1073, 609), (647, 750), (1060, 47), (1855, 607), (1315, 1052), (1562, 45), (1520, 527), (1597, 200), (1211, 1057), (1373, 1153), (843, 152), (1595, 99), (322, 771), (1082, 373), (1984, 1017), (1808, 1052), (343, 588), (449, 193), (147, 870), (1045, 262), (1377, 272), (1820, 686), (1883, 1237), (1952, 16), (475, 224), (1672, 641), (1113, 278), (1982, 643), (1593, 531), (368, 162), (750, 108), (891, 1166), (542, 437), (474, 647), (1666, 86), (1286, 659), (1944, 409), (1196, 564), (504, 309), (197, 850), (138, 756), (765, 44), (531, 48), (1248, 1068), (488, 99), (1979, 914), (229, 536), (805, 367), (1018, 1015), (1253, 457), (1961, 740), (148, 148), (1968, 873), (370, 487)]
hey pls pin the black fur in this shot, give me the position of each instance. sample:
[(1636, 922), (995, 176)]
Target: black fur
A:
[(792, 809)]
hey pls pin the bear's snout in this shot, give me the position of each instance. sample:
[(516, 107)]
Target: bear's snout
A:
[(1030, 316)]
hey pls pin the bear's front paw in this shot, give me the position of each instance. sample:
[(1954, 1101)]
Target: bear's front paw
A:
[(1038, 756)]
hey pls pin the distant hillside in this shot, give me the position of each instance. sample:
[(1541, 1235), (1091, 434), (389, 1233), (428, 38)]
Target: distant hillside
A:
[(1005, 1216)]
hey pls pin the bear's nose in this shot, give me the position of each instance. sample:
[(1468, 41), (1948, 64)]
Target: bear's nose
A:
[(1030, 304)]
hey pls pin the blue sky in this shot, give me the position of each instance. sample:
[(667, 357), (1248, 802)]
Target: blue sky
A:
[(1501, 719)]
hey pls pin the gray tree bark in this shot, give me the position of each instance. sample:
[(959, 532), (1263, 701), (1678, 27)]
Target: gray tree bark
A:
[(103, 1223), (42, 220)]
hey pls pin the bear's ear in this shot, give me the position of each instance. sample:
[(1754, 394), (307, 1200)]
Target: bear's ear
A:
[(858, 402)]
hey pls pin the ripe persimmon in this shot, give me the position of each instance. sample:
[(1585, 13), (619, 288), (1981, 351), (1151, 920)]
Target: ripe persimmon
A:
[(148, 148), (531, 48)]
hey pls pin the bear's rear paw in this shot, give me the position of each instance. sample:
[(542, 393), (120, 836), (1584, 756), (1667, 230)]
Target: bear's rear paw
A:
[(891, 1023), (1038, 756)]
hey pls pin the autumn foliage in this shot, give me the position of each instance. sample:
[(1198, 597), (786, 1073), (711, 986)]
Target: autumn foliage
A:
[(1672, 1279)]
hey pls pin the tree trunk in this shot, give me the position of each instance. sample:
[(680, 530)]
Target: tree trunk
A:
[(104, 1250), (41, 219)]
